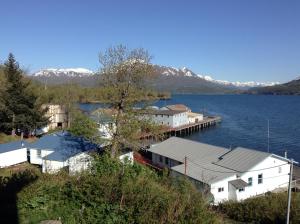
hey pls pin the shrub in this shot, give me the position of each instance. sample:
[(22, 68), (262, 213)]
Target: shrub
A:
[(113, 193), (270, 208)]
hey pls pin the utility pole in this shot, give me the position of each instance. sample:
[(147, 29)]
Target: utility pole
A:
[(268, 135), (185, 165), (289, 193)]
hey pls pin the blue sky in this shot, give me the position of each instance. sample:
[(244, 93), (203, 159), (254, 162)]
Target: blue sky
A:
[(230, 40)]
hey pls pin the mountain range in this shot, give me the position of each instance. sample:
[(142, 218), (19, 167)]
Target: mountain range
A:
[(170, 79), (289, 88)]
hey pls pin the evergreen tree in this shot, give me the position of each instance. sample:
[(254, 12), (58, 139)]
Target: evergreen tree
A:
[(21, 112)]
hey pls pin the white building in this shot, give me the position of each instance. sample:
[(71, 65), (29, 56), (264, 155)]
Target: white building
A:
[(194, 117), (57, 115), (12, 153), (227, 174), (61, 150), (170, 118)]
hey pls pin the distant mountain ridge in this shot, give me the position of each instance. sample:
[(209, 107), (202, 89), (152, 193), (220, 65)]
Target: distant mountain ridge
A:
[(177, 80), (170, 71), (289, 88)]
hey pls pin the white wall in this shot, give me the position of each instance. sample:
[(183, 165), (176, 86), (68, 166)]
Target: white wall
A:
[(13, 157), (127, 156), (223, 195), (272, 179), (49, 166), (175, 120), (79, 163), (35, 159), (76, 164), (193, 118)]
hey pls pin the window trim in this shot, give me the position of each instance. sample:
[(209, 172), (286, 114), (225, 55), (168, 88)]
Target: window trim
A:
[(260, 179), (250, 183)]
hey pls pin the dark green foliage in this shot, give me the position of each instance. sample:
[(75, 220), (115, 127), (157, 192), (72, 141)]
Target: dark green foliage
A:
[(113, 193), (20, 110), (83, 126), (270, 208), (9, 188)]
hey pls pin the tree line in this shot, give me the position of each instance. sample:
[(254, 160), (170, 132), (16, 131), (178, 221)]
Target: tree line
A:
[(124, 76), (20, 110)]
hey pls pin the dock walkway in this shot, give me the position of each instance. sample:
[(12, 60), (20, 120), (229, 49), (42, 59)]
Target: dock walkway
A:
[(193, 127)]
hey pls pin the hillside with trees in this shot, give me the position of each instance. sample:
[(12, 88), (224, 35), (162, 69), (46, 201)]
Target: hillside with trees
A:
[(289, 88)]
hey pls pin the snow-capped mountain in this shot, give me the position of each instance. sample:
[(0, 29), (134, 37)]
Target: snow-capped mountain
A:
[(176, 80), (170, 71), (53, 76), (68, 72)]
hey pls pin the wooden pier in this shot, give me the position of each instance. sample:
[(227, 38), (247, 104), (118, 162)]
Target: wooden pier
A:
[(187, 129), (193, 127)]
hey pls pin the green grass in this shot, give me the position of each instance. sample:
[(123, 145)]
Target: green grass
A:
[(4, 138), (9, 171)]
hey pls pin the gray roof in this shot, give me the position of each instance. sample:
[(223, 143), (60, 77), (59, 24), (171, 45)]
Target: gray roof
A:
[(238, 183), (177, 148), (242, 159), (208, 163), (11, 146), (163, 112), (199, 158), (63, 144)]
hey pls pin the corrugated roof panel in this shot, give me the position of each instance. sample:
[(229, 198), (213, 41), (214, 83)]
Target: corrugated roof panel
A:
[(242, 159)]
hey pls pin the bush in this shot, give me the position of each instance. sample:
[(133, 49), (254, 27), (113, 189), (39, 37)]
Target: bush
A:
[(113, 193), (270, 208)]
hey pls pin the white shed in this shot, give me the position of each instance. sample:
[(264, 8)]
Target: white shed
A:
[(61, 150), (12, 153)]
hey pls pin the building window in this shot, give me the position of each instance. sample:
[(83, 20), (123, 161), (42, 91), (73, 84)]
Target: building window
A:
[(160, 159), (250, 180), (166, 161), (241, 189), (260, 178), (279, 169), (220, 189), (39, 153)]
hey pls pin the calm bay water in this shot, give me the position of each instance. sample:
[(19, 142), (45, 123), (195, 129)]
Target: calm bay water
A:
[(245, 121)]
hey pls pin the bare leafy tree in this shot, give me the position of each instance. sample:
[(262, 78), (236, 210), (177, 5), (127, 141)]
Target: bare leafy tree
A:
[(124, 73)]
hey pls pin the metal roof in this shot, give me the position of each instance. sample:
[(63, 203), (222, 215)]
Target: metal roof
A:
[(63, 144), (238, 183), (208, 163), (164, 112), (242, 159), (180, 107), (177, 148), (206, 172), (11, 146)]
